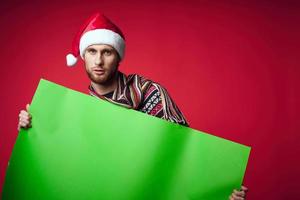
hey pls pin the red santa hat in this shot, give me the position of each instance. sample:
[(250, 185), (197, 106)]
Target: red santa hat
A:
[(98, 29)]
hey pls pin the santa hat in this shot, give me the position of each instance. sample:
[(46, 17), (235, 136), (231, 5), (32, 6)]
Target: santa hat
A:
[(98, 29)]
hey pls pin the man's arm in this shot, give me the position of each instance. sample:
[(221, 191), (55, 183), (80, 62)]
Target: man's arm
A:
[(157, 102)]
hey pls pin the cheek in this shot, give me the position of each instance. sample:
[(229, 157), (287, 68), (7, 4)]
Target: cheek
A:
[(88, 63), (110, 64)]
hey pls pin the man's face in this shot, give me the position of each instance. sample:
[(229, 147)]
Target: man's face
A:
[(101, 63)]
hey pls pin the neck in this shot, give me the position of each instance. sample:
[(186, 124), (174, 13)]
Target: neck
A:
[(109, 86)]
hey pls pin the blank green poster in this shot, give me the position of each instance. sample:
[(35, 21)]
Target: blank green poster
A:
[(80, 147)]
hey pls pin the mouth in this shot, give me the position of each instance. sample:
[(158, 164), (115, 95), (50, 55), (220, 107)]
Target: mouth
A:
[(98, 71)]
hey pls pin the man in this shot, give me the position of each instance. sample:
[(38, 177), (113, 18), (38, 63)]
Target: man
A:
[(101, 45)]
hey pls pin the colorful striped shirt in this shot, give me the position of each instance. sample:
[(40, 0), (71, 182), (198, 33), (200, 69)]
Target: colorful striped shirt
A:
[(138, 93)]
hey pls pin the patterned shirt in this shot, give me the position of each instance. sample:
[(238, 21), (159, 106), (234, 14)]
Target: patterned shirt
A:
[(138, 93)]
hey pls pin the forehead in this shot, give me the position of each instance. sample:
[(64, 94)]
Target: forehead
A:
[(100, 47)]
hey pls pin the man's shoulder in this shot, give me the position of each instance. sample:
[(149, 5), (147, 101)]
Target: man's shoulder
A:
[(155, 99), (141, 79), (137, 77)]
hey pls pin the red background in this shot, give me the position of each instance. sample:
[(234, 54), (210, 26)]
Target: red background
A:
[(231, 67)]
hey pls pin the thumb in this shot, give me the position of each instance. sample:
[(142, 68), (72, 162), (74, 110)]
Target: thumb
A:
[(27, 107)]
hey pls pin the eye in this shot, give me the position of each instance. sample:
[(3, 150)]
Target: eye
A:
[(91, 51), (107, 52)]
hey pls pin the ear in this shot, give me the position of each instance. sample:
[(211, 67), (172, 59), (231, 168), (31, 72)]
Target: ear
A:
[(83, 56)]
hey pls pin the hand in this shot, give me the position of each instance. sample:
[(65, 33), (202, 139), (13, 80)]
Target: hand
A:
[(24, 119), (239, 194)]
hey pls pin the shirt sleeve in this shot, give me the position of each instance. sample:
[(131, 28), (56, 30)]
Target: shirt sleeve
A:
[(157, 102)]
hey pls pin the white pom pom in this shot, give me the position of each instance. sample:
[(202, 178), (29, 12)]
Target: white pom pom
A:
[(71, 60)]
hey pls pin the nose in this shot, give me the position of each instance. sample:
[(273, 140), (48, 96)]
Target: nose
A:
[(98, 59)]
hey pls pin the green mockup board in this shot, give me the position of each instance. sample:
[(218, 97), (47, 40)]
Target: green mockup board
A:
[(81, 147)]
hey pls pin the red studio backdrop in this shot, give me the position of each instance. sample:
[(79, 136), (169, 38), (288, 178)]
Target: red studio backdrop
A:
[(231, 66)]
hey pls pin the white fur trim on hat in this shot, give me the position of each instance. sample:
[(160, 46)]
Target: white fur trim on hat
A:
[(102, 36), (71, 60)]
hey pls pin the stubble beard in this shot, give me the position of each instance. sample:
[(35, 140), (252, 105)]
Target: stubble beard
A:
[(104, 79)]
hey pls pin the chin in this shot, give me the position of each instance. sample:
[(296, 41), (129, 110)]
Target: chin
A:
[(100, 81)]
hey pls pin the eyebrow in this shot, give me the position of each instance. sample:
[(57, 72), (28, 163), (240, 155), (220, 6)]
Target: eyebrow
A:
[(106, 48), (90, 48)]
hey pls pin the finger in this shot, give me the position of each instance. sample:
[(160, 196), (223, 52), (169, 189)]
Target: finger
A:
[(22, 124), (27, 107), (25, 121), (239, 193), (24, 118), (243, 188), (28, 113), (235, 197), (24, 113)]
